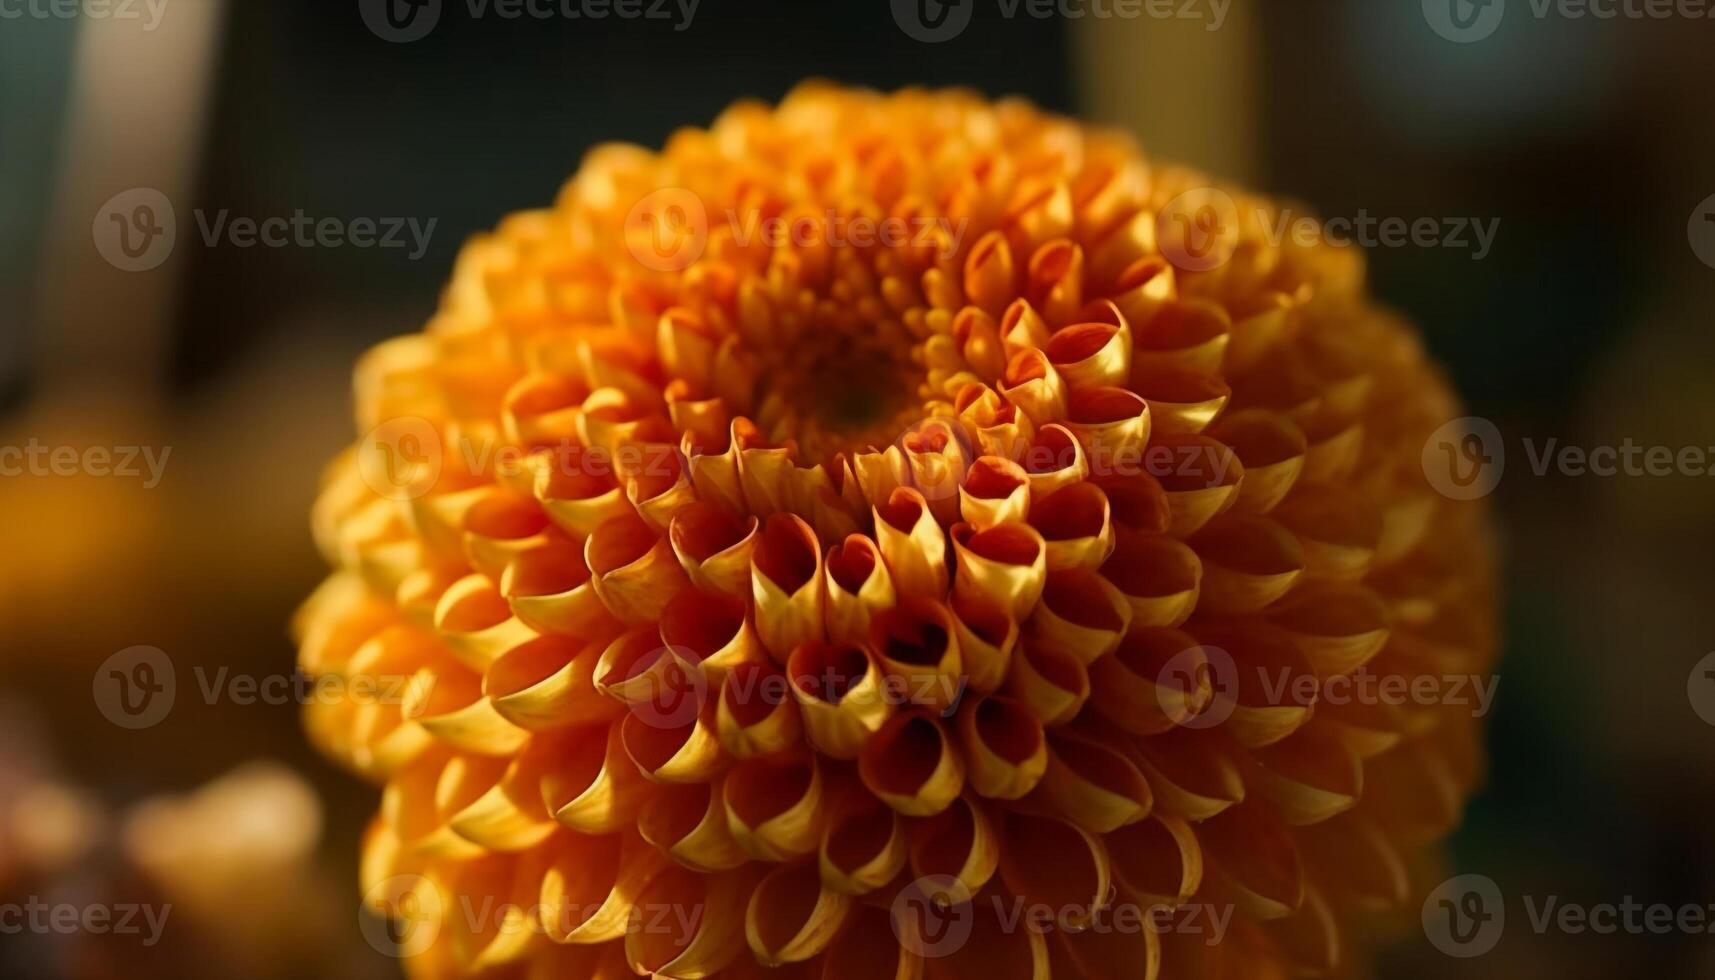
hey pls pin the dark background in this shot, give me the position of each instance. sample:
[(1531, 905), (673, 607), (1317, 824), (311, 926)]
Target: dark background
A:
[(1590, 140)]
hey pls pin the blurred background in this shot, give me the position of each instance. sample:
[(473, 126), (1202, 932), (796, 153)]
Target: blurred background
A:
[(1589, 141)]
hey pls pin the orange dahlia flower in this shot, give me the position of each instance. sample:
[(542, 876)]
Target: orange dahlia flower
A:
[(886, 536)]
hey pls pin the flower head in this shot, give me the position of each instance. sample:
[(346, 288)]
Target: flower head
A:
[(883, 513)]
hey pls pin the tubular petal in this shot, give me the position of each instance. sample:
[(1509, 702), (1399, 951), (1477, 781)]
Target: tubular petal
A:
[(911, 765), (633, 569), (792, 916), (786, 585)]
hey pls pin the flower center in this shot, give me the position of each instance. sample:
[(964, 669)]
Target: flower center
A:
[(843, 394), (846, 374)]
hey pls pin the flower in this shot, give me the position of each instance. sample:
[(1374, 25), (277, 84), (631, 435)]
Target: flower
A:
[(800, 549)]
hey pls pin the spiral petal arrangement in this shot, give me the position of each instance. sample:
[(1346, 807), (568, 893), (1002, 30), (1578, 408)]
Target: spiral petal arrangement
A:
[(744, 582)]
